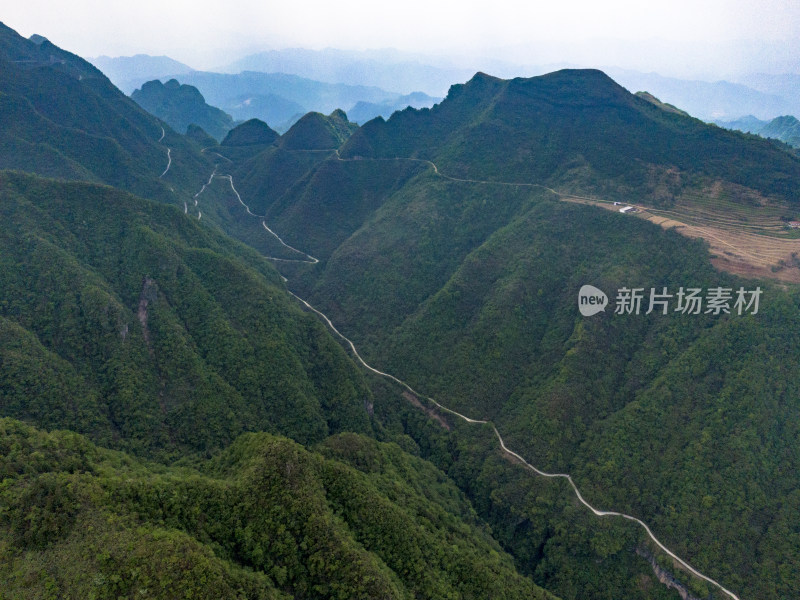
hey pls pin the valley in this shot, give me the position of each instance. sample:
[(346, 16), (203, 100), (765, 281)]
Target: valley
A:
[(414, 396), (656, 215)]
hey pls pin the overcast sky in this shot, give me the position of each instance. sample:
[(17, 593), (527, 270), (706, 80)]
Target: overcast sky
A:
[(681, 36)]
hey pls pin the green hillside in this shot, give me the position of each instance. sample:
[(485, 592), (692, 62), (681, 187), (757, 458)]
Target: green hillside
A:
[(684, 421), (62, 118), (251, 133), (266, 519), (199, 136), (142, 326), (467, 291), (151, 324)]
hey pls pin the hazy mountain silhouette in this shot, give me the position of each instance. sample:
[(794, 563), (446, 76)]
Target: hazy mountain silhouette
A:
[(181, 106), (127, 72)]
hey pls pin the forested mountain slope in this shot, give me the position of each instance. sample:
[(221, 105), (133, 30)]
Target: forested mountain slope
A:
[(559, 129), (461, 278), (150, 324), (440, 242), (266, 519), (62, 118), (144, 327)]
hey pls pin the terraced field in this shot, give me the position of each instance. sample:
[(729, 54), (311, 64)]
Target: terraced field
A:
[(747, 233)]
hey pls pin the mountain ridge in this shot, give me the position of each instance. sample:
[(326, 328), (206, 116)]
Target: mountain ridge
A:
[(497, 105)]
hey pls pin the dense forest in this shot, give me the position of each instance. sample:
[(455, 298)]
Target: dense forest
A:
[(266, 518)]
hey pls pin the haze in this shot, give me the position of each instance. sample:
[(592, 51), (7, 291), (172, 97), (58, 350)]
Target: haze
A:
[(707, 38)]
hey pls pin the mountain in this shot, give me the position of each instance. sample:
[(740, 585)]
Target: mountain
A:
[(145, 336), (706, 100), (181, 106), (662, 105), (145, 328), (315, 131), (196, 133), (252, 132), (561, 127), (265, 519), (125, 71), (748, 124), (61, 117), (366, 111), (231, 440), (271, 108), (785, 128), (229, 90), (388, 69), (452, 243), (785, 85), (280, 99)]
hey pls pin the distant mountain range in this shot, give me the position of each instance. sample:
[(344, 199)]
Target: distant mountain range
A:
[(785, 128), (251, 94), (387, 69), (280, 99), (128, 72), (764, 96), (709, 100), (364, 111)]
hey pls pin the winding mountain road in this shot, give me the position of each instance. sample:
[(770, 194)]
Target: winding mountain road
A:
[(169, 154), (309, 259), (597, 512)]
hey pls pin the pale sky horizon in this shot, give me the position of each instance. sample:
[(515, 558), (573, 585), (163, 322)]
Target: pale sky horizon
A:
[(683, 37)]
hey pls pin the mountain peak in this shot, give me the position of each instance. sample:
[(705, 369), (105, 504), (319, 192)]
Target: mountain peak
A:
[(250, 133), (481, 77), (181, 105), (576, 87), (315, 131)]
